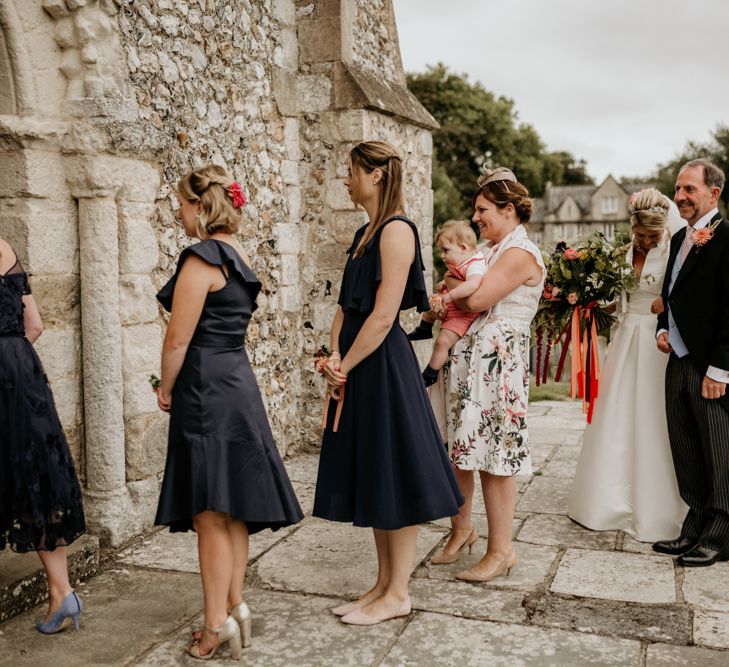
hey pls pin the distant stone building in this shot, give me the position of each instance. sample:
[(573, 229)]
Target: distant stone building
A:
[(104, 104), (568, 211)]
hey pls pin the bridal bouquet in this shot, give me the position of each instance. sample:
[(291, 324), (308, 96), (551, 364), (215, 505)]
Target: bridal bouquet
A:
[(581, 280)]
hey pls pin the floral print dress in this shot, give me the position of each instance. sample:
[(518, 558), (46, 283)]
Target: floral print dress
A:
[(487, 379)]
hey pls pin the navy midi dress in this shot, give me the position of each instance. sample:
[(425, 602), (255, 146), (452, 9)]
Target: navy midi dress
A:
[(385, 466), (221, 455)]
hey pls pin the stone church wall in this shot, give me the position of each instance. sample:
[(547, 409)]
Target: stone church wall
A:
[(106, 103)]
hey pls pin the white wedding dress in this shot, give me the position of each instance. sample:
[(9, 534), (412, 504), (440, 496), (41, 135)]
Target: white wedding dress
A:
[(625, 478)]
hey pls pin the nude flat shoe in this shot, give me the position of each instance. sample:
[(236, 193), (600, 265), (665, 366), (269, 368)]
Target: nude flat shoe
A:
[(358, 617), (442, 558), (344, 609)]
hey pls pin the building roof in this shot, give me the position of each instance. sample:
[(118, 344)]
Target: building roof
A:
[(555, 195)]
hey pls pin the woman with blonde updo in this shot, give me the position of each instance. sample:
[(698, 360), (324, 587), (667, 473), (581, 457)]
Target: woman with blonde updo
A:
[(224, 477), (625, 476)]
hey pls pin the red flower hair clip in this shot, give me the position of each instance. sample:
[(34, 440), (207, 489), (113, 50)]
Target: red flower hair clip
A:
[(237, 194)]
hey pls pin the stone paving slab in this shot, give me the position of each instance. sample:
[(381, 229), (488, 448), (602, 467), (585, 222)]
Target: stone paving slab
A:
[(633, 546), (446, 597), (290, 629), (548, 495), (561, 530), (334, 559), (540, 454), (534, 564), (433, 639), (553, 436), (615, 576), (707, 587), (711, 628), (563, 463), (302, 468), (556, 421), (651, 622), (663, 655), (126, 611)]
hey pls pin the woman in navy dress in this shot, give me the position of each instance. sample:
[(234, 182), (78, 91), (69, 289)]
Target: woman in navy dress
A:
[(40, 497), (224, 477), (383, 464)]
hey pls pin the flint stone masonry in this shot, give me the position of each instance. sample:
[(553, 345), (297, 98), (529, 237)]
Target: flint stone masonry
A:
[(107, 103)]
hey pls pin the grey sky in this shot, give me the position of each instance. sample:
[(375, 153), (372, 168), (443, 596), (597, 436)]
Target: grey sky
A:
[(621, 83)]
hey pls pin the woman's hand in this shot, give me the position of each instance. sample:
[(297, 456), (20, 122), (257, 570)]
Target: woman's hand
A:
[(335, 377), (657, 306), (164, 401)]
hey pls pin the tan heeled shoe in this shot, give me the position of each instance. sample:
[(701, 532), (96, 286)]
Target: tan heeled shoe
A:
[(242, 614), (228, 632), (358, 617), (443, 558), (506, 565)]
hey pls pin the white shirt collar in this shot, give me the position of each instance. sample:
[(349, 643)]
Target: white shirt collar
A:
[(706, 219)]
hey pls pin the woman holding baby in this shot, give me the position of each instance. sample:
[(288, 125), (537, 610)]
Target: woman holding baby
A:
[(487, 381)]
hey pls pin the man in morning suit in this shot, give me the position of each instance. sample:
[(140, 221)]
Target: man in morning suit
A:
[(694, 330)]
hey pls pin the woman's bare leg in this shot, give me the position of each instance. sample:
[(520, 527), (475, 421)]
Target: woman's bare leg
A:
[(401, 545), (215, 550), (55, 564)]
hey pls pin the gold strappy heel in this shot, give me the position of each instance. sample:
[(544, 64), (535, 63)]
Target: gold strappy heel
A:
[(242, 614), (228, 632)]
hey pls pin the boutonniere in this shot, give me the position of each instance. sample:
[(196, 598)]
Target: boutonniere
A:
[(704, 235)]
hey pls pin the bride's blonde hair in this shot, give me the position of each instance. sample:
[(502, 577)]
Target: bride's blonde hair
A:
[(649, 209)]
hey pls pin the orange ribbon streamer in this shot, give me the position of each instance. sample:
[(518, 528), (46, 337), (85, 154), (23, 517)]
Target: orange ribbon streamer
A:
[(338, 412), (584, 359)]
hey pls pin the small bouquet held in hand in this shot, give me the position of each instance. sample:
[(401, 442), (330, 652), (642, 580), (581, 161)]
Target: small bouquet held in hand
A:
[(321, 359), (581, 280)]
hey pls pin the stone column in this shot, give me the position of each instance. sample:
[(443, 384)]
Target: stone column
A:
[(102, 347)]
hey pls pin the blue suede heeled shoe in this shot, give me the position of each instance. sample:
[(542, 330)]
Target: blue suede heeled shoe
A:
[(70, 610)]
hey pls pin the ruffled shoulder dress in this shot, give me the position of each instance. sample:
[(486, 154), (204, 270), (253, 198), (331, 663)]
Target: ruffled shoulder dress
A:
[(221, 454), (386, 465)]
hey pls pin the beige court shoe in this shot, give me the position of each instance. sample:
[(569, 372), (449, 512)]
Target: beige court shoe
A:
[(506, 565), (443, 558)]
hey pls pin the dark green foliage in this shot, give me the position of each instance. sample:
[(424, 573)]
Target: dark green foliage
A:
[(478, 130), (716, 150)]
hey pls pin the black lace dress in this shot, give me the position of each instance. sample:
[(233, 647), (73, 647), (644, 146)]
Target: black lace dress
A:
[(40, 497), (386, 466)]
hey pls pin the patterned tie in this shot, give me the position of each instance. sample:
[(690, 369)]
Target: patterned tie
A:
[(687, 243)]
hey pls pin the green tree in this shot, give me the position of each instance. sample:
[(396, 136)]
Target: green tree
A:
[(716, 150), (477, 130)]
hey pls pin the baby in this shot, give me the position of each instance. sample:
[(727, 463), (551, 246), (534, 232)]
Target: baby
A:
[(457, 243)]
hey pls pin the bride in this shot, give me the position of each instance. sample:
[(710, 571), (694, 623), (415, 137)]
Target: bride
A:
[(625, 477)]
